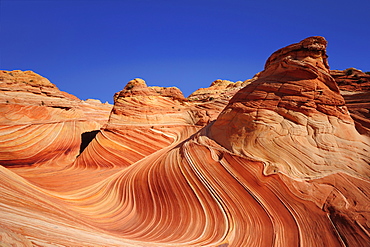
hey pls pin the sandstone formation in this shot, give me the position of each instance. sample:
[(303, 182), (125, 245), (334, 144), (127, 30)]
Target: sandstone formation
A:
[(293, 120), (143, 120), (294, 102), (355, 88), (278, 160), (219, 89), (146, 119), (39, 124)]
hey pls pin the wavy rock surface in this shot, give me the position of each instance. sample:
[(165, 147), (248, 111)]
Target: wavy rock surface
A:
[(294, 115), (294, 120), (39, 124), (355, 88), (146, 119), (282, 165)]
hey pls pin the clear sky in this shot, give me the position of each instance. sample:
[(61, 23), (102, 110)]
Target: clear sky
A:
[(92, 48)]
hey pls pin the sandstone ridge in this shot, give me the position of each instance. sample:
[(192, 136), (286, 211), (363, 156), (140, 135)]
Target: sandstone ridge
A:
[(294, 111), (41, 125), (281, 159)]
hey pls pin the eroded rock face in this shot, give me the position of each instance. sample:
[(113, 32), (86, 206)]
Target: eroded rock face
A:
[(294, 120), (39, 124), (293, 117), (355, 89), (147, 119), (282, 165), (139, 104), (219, 89)]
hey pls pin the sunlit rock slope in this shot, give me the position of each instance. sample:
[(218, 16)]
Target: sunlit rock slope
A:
[(41, 125), (278, 160)]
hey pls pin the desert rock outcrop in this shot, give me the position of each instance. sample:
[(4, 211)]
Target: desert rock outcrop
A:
[(294, 116), (278, 162), (146, 119), (355, 88), (39, 124)]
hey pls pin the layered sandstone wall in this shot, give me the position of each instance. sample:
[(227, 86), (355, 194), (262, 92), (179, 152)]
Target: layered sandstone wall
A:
[(39, 124), (278, 160)]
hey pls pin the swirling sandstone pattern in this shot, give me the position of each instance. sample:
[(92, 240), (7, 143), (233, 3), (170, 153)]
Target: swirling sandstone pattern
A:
[(40, 125), (283, 164), (355, 88)]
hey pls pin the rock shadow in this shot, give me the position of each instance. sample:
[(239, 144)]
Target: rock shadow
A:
[(86, 138)]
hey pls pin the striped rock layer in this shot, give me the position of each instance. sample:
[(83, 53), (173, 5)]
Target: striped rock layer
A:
[(279, 160), (41, 125)]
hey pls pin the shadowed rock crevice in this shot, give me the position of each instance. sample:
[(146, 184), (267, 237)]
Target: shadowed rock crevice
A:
[(86, 138)]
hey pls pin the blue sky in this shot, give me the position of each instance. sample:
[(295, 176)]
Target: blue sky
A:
[(93, 48)]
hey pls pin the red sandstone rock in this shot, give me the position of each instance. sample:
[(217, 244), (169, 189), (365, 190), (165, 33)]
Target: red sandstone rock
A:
[(355, 88), (294, 120), (219, 89), (39, 124), (144, 120), (283, 165)]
